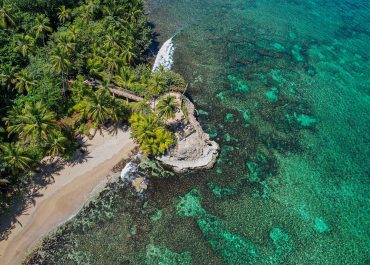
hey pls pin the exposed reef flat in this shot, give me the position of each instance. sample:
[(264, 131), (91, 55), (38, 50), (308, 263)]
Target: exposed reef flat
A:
[(194, 149)]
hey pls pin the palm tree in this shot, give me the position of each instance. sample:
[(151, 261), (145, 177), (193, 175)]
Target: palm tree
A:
[(98, 107), (125, 78), (167, 107), (73, 31), (34, 122), (141, 107), (41, 27), (164, 140), (128, 54), (6, 19), (15, 157), (7, 76), (143, 127), (64, 42), (64, 14), (147, 130), (24, 81), (24, 43), (60, 63), (56, 144), (156, 86)]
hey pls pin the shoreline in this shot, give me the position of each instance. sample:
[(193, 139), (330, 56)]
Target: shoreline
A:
[(73, 187)]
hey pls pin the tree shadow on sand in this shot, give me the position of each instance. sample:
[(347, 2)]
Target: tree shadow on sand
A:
[(31, 189), (43, 176)]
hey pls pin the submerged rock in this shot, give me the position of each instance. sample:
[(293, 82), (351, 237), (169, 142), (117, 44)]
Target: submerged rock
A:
[(232, 248), (163, 256), (139, 184), (194, 149)]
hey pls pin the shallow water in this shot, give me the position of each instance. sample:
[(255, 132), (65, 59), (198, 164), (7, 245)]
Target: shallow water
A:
[(284, 88)]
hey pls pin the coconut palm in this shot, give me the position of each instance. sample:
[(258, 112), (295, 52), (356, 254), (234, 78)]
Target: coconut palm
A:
[(56, 144), (167, 107), (98, 107), (7, 76), (6, 18), (24, 43), (33, 123), (164, 140), (41, 27), (64, 14), (143, 127), (65, 42), (141, 107), (156, 86), (73, 31), (60, 64), (147, 130), (15, 157), (128, 54), (24, 81), (124, 78)]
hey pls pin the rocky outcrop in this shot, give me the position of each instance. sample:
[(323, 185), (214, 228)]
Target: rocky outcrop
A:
[(194, 149)]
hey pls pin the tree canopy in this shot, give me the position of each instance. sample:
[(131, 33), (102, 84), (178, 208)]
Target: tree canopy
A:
[(48, 50)]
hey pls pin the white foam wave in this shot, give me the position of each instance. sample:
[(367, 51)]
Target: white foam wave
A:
[(128, 170), (165, 56)]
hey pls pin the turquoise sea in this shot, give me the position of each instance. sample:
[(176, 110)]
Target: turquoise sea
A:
[(284, 87)]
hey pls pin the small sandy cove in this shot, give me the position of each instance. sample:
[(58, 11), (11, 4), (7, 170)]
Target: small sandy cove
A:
[(73, 186)]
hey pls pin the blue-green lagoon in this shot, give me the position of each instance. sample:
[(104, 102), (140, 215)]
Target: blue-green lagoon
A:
[(284, 88)]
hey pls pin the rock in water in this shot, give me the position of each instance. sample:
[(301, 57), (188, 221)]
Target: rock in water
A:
[(194, 150)]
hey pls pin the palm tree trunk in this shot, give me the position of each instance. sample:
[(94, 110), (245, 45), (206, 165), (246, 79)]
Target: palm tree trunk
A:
[(63, 84)]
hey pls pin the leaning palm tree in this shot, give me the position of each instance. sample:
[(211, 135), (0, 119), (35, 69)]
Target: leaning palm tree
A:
[(15, 157), (167, 107), (33, 123), (41, 27), (24, 43), (6, 18), (24, 81)]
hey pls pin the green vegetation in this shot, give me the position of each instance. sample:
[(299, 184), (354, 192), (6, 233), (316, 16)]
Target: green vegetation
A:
[(58, 61), (167, 107), (150, 133)]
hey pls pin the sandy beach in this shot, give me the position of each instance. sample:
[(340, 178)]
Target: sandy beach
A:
[(72, 187)]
